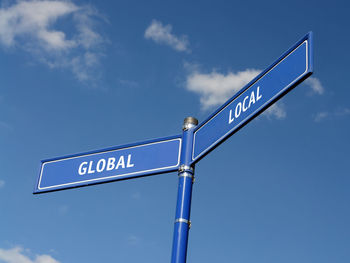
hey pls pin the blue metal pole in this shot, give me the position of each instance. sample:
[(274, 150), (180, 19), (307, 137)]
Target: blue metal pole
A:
[(184, 195)]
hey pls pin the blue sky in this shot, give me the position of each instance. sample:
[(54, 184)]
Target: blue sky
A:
[(84, 75)]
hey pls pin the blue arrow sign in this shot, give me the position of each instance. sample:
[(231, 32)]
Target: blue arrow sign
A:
[(289, 70), (123, 162)]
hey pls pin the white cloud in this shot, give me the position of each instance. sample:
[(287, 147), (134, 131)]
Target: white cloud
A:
[(277, 111), (338, 113), (128, 83), (315, 85), (17, 255), (342, 112), (2, 183), (215, 88), (33, 18), (162, 34), (321, 116), (30, 25)]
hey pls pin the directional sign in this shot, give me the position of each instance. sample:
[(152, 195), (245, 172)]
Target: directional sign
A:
[(169, 154), (123, 162), (289, 70)]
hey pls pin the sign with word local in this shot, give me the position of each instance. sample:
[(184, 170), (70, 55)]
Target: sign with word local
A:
[(123, 162), (283, 75)]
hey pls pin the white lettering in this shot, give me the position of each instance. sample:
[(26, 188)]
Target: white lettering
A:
[(242, 107), (129, 164), (252, 99), (258, 96), (105, 164), (245, 108), (90, 171), (239, 111), (82, 169), (121, 162), (110, 163), (100, 168), (230, 118)]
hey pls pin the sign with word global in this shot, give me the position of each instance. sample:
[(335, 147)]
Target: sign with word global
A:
[(152, 157)]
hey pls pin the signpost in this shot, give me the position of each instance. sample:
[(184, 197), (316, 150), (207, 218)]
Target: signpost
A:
[(123, 162), (184, 151)]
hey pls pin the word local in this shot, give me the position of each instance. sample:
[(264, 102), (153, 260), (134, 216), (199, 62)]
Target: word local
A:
[(243, 106), (105, 164)]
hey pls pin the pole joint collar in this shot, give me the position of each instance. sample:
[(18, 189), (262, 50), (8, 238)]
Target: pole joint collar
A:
[(185, 168), (187, 175), (183, 220)]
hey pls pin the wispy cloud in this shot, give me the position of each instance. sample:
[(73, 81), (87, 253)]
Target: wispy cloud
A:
[(321, 116), (342, 112), (2, 183), (328, 115), (32, 19), (215, 88), (30, 26), (128, 83), (162, 34), (18, 255), (315, 85), (276, 111)]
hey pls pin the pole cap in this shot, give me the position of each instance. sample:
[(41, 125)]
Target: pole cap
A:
[(189, 122)]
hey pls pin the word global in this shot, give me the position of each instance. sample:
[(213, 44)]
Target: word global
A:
[(102, 165)]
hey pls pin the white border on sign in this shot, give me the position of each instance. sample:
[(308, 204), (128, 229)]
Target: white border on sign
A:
[(239, 124), (113, 176)]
